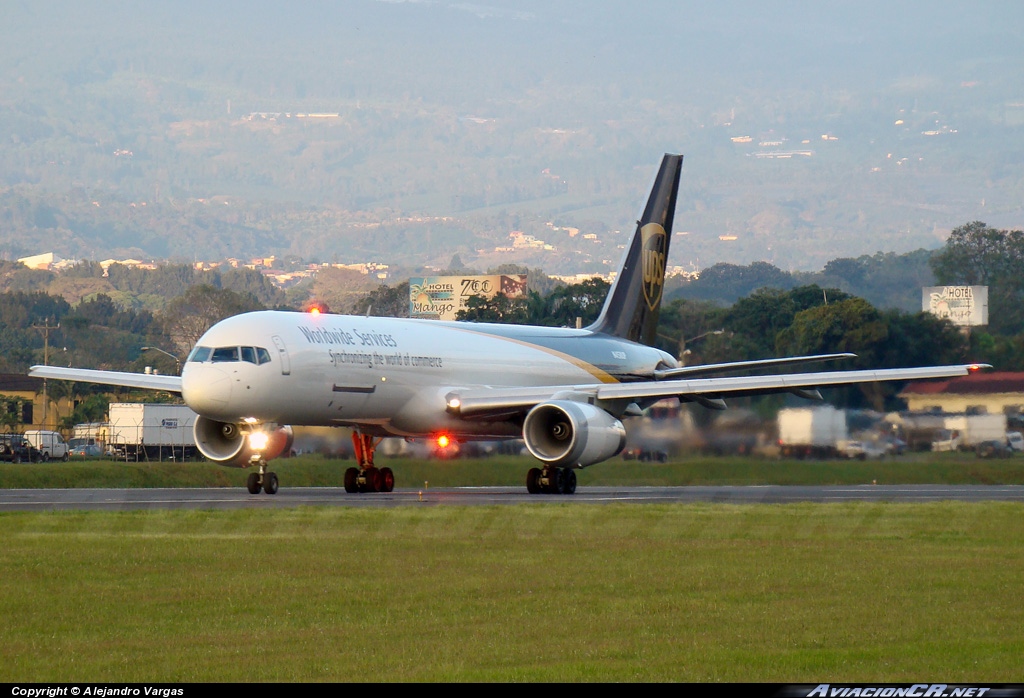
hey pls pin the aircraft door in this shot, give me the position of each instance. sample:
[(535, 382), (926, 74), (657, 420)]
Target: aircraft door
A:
[(282, 354)]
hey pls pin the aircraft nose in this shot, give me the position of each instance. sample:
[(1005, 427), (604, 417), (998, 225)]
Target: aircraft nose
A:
[(206, 389)]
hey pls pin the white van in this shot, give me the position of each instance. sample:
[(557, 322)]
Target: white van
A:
[(49, 443)]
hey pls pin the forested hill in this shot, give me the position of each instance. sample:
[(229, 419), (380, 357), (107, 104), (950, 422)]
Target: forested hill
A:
[(408, 132)]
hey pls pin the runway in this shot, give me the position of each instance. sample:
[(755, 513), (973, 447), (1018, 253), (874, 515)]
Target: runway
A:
[(239, 498)]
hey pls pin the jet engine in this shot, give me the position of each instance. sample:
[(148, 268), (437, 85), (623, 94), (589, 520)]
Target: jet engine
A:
[(565, 433), (227, 443)]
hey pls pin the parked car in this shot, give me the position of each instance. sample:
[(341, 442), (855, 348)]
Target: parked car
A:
[(86, 451), (645, 455), (993, 449), (15, 449), (81, 447), (894, 446), (861, 450)]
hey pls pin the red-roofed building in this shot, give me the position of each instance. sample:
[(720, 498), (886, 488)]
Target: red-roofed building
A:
[(990, 393)]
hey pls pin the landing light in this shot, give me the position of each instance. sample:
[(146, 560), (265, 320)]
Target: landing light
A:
[(258, 440)]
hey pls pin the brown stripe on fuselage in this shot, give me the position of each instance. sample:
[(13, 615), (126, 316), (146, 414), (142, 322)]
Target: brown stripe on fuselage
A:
[(598, 373)]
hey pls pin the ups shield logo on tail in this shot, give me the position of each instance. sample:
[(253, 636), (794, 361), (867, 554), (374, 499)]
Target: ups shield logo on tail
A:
[(652, 258)]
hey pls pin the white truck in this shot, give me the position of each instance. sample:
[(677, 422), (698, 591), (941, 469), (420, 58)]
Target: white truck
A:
[(814, 432), (151, 431), (50, 444), (966, 431)]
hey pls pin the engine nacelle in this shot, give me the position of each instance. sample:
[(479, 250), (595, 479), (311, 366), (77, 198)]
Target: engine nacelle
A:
[(566, 433), (227, 443), (280, 443)]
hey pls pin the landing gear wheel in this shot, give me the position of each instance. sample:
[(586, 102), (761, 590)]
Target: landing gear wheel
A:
[(351, 475), (371, 476), (556, 481), (569, 482), (253, 483), (368, 478), (533, 481), (387, 480), (270, 483)]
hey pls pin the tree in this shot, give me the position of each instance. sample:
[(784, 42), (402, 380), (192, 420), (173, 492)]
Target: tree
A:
[(977, 255), (245, 281), (187, 317), (761, 316), (726, 283), (499, 308), (385, 301), (851, 325), (683, 319), (583, 300)]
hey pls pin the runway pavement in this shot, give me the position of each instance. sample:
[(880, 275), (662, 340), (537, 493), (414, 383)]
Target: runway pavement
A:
[(237, 498)]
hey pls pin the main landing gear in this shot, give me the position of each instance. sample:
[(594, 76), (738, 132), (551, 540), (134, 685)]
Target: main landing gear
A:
[(551, 481), (262, 480), (367, 478)]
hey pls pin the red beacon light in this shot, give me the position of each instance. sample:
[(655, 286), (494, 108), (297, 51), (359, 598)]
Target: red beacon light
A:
[(317, 308)]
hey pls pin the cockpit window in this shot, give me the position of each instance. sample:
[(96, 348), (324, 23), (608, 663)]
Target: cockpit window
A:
[(254, 355), (221, 354)]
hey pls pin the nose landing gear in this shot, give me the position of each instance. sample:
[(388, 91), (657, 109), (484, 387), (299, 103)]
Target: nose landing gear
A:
[(262, 480)]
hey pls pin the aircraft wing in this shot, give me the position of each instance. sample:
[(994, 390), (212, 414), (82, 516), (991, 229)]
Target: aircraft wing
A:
[(484, 402), (149, 381)]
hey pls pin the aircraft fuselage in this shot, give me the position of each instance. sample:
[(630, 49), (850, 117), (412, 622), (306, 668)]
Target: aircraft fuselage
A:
[(387, 375)]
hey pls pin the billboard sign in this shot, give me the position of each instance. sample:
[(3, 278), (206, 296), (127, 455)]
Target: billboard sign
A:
[(964, 306), (442, 297)]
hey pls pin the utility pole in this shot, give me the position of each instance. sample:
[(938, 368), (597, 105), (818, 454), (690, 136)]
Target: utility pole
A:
[(45, 330)]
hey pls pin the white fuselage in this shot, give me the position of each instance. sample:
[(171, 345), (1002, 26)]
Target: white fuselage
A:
[(388, 375)]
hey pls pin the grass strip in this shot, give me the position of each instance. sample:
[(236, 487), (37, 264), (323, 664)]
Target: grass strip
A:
[(315, 471), (703, 592)]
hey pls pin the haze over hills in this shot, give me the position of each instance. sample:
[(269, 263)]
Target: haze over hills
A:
[(812, 130)]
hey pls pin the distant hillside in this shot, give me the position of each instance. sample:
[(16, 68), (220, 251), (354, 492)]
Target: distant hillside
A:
[(408, 132)]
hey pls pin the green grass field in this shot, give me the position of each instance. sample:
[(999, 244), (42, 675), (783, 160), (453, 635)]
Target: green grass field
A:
[(314, 471), (536, 592), (791, 593)]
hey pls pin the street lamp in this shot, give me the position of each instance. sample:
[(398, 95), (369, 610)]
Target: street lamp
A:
[(177, 361), (684, 352)]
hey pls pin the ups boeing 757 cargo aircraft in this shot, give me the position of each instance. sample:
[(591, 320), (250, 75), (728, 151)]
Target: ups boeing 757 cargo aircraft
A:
[(563, 391)]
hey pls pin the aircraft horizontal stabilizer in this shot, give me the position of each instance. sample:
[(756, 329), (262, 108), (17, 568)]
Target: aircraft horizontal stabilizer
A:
[(705, 369), (146, 381)]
